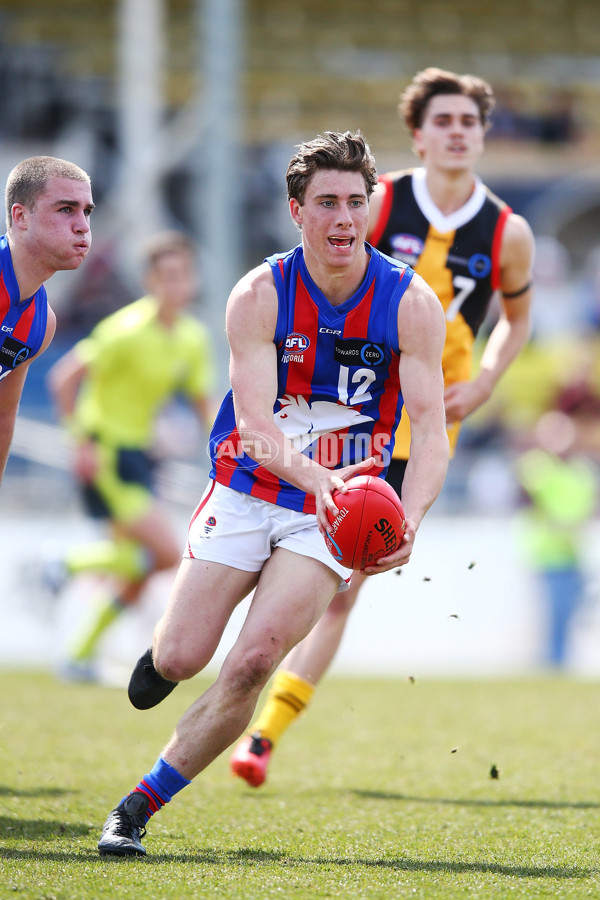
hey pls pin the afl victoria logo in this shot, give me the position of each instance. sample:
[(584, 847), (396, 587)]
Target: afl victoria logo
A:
[(296, 342), (406, 245)]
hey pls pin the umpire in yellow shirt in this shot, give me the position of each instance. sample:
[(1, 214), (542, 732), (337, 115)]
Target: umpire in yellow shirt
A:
[(109, 390)]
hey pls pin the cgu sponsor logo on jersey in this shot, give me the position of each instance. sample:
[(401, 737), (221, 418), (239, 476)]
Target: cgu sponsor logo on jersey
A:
[(407, 247)]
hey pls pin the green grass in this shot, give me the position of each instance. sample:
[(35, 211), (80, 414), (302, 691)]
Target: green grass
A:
[(382, 791)]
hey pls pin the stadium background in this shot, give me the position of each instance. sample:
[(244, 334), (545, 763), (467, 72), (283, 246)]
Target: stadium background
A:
[(185, 115)]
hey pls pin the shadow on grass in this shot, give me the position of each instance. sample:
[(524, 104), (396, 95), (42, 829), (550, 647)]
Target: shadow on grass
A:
[(253, 857), (6, 791), (524, 804), (39, 829)]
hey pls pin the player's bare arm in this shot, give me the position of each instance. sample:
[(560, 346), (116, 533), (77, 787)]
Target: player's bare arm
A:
[(422, 331), (511, 332), (11, 388), (205, 411), (250, 320), (64, 381)]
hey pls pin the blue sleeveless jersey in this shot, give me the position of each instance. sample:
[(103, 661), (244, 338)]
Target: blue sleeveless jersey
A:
[(338, 395), (22, 325)]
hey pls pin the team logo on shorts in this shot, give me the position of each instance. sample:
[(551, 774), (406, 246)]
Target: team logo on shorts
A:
[(209, 524)]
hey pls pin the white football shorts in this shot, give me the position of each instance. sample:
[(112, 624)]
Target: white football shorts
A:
[(241, 531)]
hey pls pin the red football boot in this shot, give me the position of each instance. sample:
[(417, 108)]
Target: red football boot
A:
[(251, 758)]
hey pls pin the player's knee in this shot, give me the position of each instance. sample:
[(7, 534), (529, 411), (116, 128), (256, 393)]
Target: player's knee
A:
[(174, 664), (252, 670)]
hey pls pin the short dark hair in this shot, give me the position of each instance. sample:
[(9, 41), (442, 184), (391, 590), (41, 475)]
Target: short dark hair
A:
[(163, 244), (347, 152), (431, 82), (28, 180)]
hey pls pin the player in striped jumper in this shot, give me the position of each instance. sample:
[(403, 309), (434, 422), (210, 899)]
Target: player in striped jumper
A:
[(467, 244), (327, 343), (48, 208)]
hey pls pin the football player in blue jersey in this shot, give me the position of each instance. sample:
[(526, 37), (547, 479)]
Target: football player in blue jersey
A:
[(467, 244), (48, 208), (296, 326)]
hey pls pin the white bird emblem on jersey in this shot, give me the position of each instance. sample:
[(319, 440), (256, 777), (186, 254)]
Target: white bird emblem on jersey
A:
[(304, 423)]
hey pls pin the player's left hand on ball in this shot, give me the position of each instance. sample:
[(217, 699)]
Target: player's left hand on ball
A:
[(400, 556), (335, 481)]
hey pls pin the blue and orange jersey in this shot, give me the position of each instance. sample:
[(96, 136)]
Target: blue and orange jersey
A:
[(22, 324), (339, 397)]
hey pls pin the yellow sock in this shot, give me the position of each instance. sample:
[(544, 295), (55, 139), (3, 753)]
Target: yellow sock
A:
[(287, 698), (122, 558)]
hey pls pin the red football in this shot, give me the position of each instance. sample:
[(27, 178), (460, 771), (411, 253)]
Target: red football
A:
[(370, 522)]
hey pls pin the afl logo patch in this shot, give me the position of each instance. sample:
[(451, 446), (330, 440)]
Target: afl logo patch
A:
[(296, 342), (406, 246)]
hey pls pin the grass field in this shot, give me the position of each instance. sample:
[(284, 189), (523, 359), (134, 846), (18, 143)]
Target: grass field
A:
[(382, 791)]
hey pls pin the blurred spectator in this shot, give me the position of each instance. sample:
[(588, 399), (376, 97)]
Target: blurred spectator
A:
[(98, 295), (557, 123), (560, 485), (590, 289), (554, 312), (549, 120)]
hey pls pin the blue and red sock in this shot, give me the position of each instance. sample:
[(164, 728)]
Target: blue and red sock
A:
[(159, 785)]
